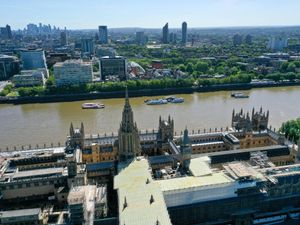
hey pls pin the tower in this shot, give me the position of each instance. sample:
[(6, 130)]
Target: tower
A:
[(129, 139), (76, 136), (184, 33), (165, 133), (185, 150), (165, 31)]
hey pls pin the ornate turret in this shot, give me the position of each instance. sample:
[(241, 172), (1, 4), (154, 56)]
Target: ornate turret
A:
[(186, 150), (129, 140), (241, 121), (260, 120), (76, 138)]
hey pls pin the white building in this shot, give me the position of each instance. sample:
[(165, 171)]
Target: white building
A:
[(29, 78), (277, 43), (73, 72)]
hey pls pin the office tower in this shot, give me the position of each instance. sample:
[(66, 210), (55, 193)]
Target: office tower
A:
[(33, 59), (103, 35), (113, 67), (87, 46), (165, 31), (63, 38), (184, 33)]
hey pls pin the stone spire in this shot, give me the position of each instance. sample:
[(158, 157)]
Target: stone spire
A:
[(129, 140), (71, 130), (186, 150)]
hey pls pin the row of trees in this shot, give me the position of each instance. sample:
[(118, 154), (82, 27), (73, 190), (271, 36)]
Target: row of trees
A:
[(291, 129)]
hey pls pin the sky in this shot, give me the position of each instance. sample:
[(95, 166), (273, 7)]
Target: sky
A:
[(89, 14)]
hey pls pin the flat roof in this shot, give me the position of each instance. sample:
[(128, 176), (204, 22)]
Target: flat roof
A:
[(199, 167), (19, 213), (187, 182), (134, 183), (38, 172)]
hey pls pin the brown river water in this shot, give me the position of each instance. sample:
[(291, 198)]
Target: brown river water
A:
[(49, 123)]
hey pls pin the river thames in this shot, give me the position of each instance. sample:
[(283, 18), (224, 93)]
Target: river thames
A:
[(32, 124)]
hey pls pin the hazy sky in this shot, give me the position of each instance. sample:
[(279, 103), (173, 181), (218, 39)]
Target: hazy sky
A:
[(149, 13)]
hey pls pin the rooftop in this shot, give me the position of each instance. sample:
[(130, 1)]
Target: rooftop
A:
[(140, 200), (19, 213)]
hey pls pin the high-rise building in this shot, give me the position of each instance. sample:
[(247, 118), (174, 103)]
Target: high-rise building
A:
[(173, 38), (140, 38), (237, 39), (33, 59), (9, 66), (165, 34), (277, 43), (87, 46), (73, 72), (63, 38), (128, 136), (248, 39), (103, 35), (184, 33), (5, 32), (115, 67)]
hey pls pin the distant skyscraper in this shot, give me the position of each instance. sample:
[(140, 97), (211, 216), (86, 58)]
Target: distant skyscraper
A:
[(87, 46), (173, 38), (184, 33), (140, 38), (165, 31), (63, 38), (5, 32), (103, 35), (248, 39), (237, 39)]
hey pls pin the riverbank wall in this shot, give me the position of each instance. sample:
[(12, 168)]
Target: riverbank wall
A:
[(140, 93)]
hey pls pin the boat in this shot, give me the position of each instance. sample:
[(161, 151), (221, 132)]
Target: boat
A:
[(239, 95), (173, 99), (92, 106), (156, 102)]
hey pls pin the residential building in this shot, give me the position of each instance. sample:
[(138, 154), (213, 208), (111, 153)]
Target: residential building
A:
[(73, 72), (103, 35), (113, 67), (277, 43), (237, 39), (165, 34), (9, 66), (29, 78), (33, 59), (184, 33)]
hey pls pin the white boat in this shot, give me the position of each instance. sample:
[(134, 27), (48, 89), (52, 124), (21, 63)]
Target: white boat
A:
[(239, 95), (174, 99), (92, 106), (177, 100), (156, 102)]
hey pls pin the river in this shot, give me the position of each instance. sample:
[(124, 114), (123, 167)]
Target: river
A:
[(49, 123)]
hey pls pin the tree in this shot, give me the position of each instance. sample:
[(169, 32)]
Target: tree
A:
[(291, 129), (201, 67), (189, 68)]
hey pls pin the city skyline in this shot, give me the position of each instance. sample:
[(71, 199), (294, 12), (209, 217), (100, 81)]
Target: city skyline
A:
[(198, 14)]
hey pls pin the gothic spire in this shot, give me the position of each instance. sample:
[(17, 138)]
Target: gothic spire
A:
[(71, 130), (185, 140)]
